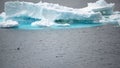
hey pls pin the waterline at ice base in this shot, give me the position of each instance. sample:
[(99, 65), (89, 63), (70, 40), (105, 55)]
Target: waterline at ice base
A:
[(28, 15)]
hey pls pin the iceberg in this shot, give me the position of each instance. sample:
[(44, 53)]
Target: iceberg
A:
[(49, 14)]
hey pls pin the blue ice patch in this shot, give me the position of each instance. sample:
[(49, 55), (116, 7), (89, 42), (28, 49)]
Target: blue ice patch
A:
[(25, 23)]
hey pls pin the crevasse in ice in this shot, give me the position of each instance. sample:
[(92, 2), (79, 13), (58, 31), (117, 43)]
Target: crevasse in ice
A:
[(48, 14)]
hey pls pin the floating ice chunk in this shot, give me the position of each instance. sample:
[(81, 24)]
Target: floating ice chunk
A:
[(8, 24), (100, 6), (45, 14)]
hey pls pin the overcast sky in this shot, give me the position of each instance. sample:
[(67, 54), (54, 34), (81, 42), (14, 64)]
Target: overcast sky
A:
[(69, 3)]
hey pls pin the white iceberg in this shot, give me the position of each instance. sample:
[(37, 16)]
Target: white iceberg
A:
[(46, 14), (8, 24)]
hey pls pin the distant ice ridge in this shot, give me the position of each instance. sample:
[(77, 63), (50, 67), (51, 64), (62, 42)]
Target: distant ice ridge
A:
[(46, 14)]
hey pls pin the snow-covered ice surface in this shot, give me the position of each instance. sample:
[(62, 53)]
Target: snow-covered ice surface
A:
[(36, 15)]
